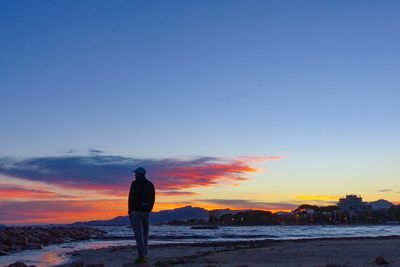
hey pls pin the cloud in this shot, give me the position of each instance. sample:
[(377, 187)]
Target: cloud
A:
[(385, 190), (105, 172), (319, 198), (249, 204), (255, 159), (176, 193), (8, 192), (94, 151)]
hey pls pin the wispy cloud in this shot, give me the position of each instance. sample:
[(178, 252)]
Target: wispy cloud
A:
[(385, 190), (94, 151), (176, 193), (8, 192), (255, 159), (316, 198)]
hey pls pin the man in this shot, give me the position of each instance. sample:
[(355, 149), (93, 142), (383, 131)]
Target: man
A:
[(140, 203)]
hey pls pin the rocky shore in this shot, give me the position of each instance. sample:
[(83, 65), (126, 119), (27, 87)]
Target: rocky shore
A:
[(13, 239)]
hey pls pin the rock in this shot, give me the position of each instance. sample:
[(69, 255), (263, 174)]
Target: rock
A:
[(163, 264), (243, 265), (15, 248), (130, 264), (3, 236), (77, 264), (17, 240), (45, 238), (32, 236), (380, 260), (4, 247), (34, 246), (95, 265), (17, 264), (4, 253), (14, 239)]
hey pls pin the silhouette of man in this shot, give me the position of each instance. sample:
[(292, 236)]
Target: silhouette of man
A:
[(140, 203)]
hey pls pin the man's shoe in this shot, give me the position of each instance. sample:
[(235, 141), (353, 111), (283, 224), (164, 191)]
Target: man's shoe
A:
[(140, 260)]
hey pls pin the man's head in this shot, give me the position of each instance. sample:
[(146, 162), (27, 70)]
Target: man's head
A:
[(140, 172)]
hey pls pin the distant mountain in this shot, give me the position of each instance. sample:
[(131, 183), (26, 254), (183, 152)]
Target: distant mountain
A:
[(117, 221), (2, 225), (180, 214), (160, 217), (380, 204), (220, 212)]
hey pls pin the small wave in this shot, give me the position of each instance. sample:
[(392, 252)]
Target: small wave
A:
[(248, 236)]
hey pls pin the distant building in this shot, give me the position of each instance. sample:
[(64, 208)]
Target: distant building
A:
[(304, 211), (352, 204)]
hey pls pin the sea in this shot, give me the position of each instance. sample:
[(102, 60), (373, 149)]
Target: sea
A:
[(123, 235)]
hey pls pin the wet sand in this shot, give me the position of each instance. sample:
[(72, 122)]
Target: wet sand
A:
[(344, 252)]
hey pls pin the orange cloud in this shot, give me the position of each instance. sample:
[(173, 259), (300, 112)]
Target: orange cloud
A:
[(8, 192), (317, 198), (175, 193), (255, 159), (202, 176)]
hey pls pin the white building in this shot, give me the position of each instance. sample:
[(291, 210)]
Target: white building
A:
[(352, 204)]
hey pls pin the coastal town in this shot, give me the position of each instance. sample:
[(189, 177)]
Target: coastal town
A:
[(350, 209)]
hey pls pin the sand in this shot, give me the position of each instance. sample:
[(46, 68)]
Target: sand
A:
[(344, 252)]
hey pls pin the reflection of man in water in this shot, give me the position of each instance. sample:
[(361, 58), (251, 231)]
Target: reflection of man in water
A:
[(141, 202)]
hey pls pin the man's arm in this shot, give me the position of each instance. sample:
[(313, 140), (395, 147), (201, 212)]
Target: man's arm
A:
[(153, 196), (130, 199)]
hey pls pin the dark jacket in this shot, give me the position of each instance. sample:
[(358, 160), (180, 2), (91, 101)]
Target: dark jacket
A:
[(141, 195)]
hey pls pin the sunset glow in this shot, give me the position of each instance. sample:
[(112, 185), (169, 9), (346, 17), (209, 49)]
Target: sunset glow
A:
[(227, 104)]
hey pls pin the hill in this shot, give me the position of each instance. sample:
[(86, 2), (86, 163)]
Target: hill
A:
[(160, 217)]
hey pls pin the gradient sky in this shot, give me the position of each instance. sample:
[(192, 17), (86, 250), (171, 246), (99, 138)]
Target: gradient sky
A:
[(240, 104)]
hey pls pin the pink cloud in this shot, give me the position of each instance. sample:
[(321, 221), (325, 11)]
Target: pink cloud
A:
[(256, 159), (204, 175), (18, 192), (176, 193)]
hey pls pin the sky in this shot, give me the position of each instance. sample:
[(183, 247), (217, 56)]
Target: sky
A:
[(228, 104)]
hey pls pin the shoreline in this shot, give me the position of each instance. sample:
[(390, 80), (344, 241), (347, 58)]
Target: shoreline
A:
[(341, 251)]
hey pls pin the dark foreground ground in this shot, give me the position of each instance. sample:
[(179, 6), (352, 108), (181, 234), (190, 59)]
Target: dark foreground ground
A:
[(343, 252)]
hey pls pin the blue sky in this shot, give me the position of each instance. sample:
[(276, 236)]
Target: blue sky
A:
[(314, 81)]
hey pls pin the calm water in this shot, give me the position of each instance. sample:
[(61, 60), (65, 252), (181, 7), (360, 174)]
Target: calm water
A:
[(55, 254)]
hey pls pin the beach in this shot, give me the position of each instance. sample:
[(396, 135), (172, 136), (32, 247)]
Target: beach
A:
[(349, 252)]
